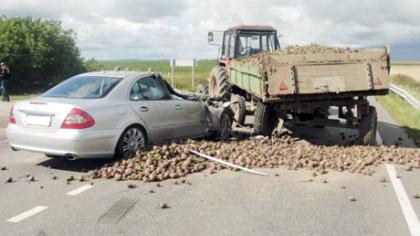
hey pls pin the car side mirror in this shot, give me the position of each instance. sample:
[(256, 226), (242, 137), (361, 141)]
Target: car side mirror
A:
[(210, 37)]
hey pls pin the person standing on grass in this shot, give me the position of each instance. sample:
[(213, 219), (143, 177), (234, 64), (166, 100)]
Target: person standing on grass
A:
[(4, 79)]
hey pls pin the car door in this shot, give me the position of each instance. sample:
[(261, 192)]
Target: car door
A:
[(190, 117), (152, 105)]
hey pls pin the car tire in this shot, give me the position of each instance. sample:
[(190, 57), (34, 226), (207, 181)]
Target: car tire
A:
[(132, 139), (225, 126)]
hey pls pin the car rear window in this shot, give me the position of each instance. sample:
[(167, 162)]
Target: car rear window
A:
[(84, 87)]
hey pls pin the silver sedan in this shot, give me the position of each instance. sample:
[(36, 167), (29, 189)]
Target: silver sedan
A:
[(105, 114)]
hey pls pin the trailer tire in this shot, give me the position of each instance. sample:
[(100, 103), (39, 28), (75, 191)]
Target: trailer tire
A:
[(219, 86), (367, 127), (238, 109), (264, 120)]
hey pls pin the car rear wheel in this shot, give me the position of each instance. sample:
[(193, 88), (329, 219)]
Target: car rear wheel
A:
[(132, 139)]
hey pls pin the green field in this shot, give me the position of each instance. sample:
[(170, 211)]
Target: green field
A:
[(407, 83), (182, 78), (406, 115)]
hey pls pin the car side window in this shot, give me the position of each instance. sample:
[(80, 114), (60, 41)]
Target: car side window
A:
[(147, 88)]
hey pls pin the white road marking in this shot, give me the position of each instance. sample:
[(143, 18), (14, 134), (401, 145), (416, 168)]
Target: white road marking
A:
[(79, 190), (27, 214), (405, 204), (379, 140)]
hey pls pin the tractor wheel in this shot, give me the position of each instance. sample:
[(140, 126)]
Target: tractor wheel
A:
[(238, 109), (264, 120), (219, 85), (202, 88), (367, 127)]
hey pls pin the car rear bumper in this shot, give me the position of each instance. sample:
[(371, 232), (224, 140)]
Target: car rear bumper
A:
[(77, 143)]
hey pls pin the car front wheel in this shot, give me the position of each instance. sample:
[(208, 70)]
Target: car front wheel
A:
[(132, 139)]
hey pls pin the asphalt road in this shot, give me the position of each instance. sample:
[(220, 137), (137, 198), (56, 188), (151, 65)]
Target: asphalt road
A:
[(226, 203)]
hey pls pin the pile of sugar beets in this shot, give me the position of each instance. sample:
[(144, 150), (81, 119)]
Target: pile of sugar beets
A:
[(300, 50), (174, 160)]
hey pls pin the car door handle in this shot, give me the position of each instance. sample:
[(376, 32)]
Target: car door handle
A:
[(178, 107), (144, 109)]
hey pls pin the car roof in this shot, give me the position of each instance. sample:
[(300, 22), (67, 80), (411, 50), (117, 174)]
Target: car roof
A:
[(114, 73)]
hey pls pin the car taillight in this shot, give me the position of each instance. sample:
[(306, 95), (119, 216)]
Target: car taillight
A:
[(77, 119), (12, 119)]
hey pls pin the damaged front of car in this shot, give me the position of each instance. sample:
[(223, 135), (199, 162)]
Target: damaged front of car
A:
[(220, 118)]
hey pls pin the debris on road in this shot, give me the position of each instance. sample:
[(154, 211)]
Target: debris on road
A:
[(71, 178), (131, 185), (3, 168), (172, 161), (352, 199), (82, 179), (9, 180), (163, 205), (54, 177), (31, 178)]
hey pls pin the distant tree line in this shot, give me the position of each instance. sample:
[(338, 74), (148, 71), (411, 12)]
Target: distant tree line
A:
[(40, 53)]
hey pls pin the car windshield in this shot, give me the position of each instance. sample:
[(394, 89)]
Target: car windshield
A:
[(84, 87)]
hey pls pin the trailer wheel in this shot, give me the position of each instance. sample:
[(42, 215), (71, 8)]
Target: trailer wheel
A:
[(202, 88), (219, 85), (367, 127), (238, 109), (264, 120)]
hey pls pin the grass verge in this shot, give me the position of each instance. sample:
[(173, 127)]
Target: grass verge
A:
[(182, 75), (406, 115), (407, 83)]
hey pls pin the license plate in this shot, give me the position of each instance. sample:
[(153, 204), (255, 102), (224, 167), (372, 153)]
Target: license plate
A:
[(38, 120)]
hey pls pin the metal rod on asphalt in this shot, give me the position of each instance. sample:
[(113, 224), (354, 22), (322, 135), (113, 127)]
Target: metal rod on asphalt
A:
[(227, 163)]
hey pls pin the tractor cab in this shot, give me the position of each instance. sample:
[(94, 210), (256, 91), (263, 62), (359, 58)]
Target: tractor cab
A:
[(242, 41)]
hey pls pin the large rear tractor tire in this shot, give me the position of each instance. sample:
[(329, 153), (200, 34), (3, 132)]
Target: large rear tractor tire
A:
[(238, 109), (202, 88), (264, 120), (219, 85), (367, 127)]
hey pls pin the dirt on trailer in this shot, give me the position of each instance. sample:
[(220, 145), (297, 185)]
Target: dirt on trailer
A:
[(175, 160), (301, 50)]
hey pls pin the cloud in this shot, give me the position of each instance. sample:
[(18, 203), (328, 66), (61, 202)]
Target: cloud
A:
[(178, 29)]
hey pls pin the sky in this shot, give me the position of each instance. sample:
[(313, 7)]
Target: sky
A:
[(162, 29)]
